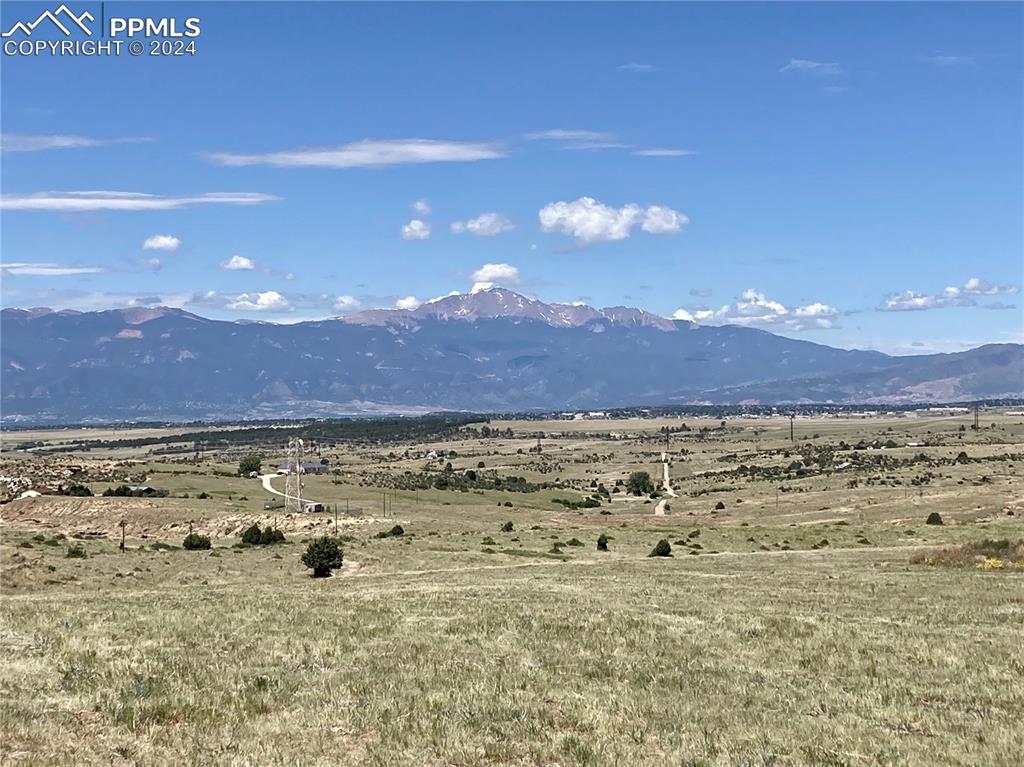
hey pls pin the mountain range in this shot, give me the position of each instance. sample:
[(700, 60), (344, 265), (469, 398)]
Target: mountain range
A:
[(493, 350)]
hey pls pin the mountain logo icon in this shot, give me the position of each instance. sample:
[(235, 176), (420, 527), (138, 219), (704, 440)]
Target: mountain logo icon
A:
[(62, 18)]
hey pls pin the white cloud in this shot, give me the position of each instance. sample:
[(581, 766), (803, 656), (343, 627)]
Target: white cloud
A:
[(591, 221), (911, 300), (661, 220), (817, 68), (23, 142), (566, 134), (416, 230), (88, 201), (489, 275), (346, 304), (976, 286), (663, 152), (692, 315), (635, 68), (578, 139), (238, 264), (153, 264), (421, 207), (161, 242), (484, 225), (408, 303), (754, 309), (948, 61), (48, 270), (369, 153), (268, 301)]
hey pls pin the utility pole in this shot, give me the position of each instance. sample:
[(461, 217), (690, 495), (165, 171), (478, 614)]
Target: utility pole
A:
[(791, 417), (122, 525), (976, 416)]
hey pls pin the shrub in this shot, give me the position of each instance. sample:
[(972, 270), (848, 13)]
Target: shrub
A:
[(270, 536), (934, 519), (195, 542), (76, 552), (252, 536), (75, 489), (639, 483), (586, 503), (507, 527), (719, 506), (488, 541), (981, 554), (322, 556), (203, 496), (249, 463), (395, 532), (662, 549), (574, 542), (602, 542)]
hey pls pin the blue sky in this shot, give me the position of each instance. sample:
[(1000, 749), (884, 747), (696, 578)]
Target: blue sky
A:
[(847, 173)]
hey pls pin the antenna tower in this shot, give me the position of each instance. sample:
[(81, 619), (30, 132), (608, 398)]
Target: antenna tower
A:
[(293, 481)]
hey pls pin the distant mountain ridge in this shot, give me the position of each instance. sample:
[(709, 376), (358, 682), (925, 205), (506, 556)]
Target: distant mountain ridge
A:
[(499, 303), (493, 350)]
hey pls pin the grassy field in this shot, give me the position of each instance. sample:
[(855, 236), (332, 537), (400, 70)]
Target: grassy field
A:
[(789, 627)]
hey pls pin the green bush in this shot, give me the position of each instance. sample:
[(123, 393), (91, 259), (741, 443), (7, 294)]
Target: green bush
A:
[(662, 549), (586, 503), (75, 489), (322, 556), (252, 535), (395, 532), (270, 536), (934, 519), (195, 542), (602, 542), (574, 542), (719, 506), (639, 483), (76, 552), (508, 527), (250, 463)]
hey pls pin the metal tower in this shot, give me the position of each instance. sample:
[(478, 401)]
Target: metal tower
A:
[(293, 480)]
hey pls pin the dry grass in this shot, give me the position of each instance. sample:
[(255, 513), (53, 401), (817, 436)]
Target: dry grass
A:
[(789, 634), (1001, 554), (842, 658)]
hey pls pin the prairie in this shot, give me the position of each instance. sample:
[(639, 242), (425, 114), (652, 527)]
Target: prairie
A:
[(797, 624)]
